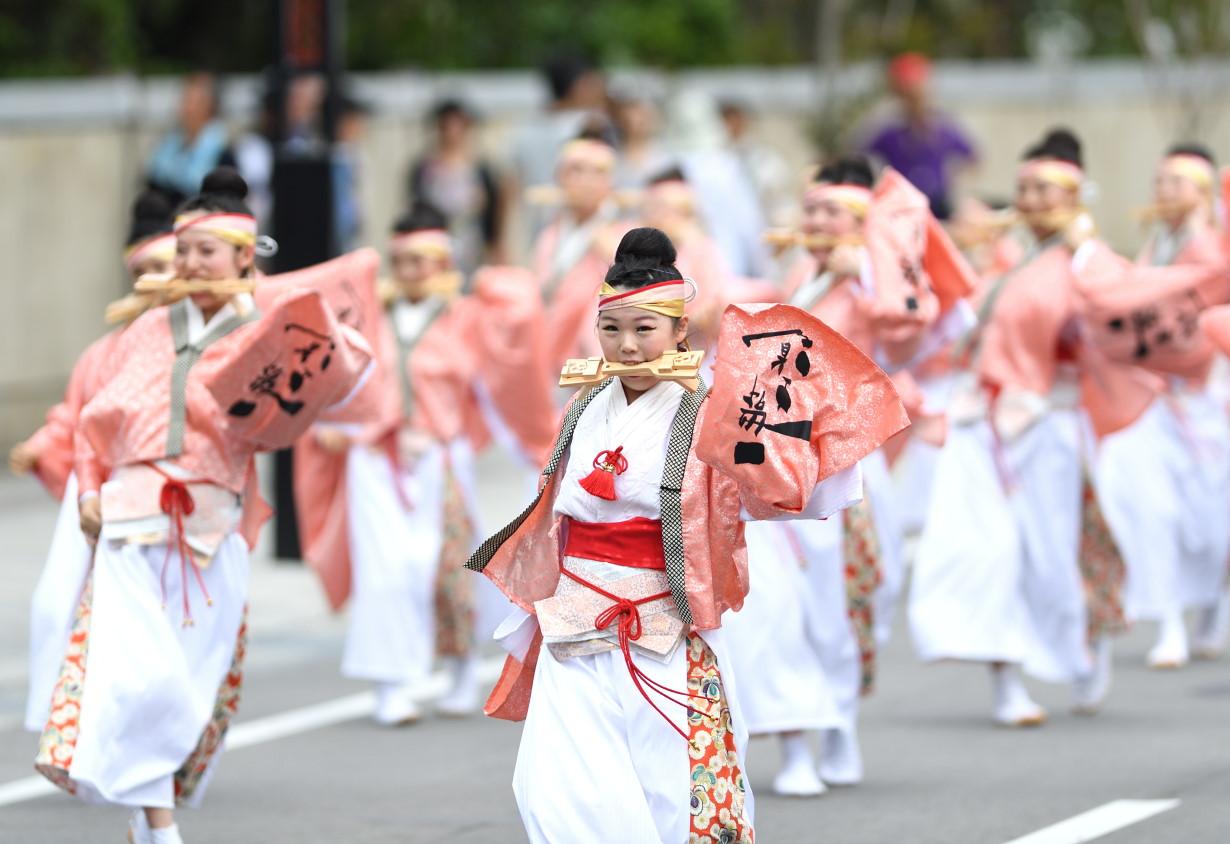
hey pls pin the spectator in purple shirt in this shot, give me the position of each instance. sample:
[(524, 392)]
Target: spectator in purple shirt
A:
[(923, 145)]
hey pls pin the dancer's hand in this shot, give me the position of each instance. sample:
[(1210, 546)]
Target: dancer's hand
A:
[(91, 518), (22, 459), (332, 440)]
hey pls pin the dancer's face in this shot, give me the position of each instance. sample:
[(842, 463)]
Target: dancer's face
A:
[(635, 335), (202, 256), (1039, 199)]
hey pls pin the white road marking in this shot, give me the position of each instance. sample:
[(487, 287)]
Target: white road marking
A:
[(1095, 823), (273, 727)]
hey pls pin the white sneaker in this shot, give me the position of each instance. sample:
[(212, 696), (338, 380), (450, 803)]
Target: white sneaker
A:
[(1013, 705), (394, 706), (462, 697), (841, 760), (798, 777), (1213, 629), (1089, 692), (1170, 652)]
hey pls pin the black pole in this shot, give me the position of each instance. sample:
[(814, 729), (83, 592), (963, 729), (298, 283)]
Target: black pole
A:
[(307, 38)]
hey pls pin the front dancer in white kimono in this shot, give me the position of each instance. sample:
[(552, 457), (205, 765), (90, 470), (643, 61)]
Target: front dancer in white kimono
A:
[(623, 566)]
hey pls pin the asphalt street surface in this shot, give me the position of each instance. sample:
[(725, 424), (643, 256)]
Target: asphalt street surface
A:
[(937, 768)]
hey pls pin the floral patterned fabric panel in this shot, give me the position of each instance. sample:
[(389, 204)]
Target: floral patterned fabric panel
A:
[(861, 556), (189, 775), (59, 739), (1102, 569), (454, 586), (718, 785)]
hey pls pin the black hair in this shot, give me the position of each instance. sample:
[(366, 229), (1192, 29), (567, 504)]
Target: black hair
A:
[(151, 216), (847, 170), (563, 69), (645, 256), (670, 174), (420, 217), (1192, 148), (222, 190), (1061, 144), (448, 107)]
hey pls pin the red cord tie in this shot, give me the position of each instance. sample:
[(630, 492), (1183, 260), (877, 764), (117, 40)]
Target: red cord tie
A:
[(176, 501), (628, 615)]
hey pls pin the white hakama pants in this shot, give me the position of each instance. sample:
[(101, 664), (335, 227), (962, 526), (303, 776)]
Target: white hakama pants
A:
[(996, 577), (881, 496), (53, 607), (783, 685), (1164, 486), (395, 556), (829, 629), (598, 764), (151, 682)]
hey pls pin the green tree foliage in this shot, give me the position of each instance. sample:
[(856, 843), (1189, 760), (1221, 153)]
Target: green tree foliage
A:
[(82, 37)]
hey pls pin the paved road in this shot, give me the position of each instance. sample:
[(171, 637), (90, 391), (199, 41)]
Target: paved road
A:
[(937, 770)]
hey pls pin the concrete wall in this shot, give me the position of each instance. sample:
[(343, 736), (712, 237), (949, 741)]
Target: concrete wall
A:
[(71, 155)]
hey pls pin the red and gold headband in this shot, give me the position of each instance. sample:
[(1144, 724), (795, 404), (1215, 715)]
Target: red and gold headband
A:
[(855, 198), (430, 243), (1053, 171), (235, 229), (665, 297), (1196, 169), (161, 247), (587, 151)]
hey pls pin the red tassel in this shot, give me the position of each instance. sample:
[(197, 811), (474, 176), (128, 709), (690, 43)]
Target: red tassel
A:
[(600, 483)]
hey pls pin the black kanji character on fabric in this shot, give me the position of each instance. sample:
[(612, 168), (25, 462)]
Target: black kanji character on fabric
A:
[(754, 417), (268, 382)]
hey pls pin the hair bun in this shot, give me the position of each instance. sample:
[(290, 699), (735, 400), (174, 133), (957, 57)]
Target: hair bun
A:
[(646, 247), (225, 181), (1059, 143)]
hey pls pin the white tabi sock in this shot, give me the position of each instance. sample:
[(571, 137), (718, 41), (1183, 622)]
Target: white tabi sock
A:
[(166, 835), (1171, 648), (1013, 705), (1089, 691), (797, 777), (1213, 627), (841, 759), (462, 696)]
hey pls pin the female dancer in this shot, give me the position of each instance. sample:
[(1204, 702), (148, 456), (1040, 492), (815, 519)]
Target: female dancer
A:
[(152, 671), (996, 578), (1166, 478), (455, 370), (49, 454), (575, 248), (622, 568), (854, 564)]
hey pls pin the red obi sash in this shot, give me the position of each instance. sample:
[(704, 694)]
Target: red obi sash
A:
[(636, 543)]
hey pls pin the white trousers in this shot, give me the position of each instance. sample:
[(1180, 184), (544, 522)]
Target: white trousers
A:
[(597, 763), (394, 556), (783, 685), (828, 619), (53, 606), (996, 576), (1164, 486), (151, 682)]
